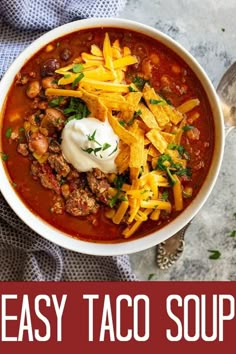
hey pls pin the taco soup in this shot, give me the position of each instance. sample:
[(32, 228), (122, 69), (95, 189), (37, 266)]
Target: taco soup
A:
[(107, 134)]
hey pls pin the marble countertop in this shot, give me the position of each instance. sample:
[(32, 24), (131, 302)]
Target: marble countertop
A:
[(207, 30)]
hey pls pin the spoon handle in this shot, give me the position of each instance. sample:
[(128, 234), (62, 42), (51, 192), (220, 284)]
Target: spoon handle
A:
[(169, 251)]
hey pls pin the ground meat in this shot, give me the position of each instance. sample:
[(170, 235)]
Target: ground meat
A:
[(22, 79), (81, 203), (74, 174), (58, 163), (54, 146), (23, 149), (198, 165), (58, 207), (99, 185), (193, 134), (46, 176), (35, 169)]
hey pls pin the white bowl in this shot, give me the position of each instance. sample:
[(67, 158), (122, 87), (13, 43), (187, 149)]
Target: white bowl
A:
[(135, 245)]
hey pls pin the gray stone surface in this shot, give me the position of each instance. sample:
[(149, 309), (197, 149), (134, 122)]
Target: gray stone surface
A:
[(207, 29)]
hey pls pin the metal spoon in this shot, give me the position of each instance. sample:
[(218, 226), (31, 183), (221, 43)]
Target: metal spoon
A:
[(170, 250)]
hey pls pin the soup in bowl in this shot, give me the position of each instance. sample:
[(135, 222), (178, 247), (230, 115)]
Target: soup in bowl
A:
[(111, 136)]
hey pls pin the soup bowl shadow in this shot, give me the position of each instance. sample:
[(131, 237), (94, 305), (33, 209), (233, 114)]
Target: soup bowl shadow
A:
[(131, 245)]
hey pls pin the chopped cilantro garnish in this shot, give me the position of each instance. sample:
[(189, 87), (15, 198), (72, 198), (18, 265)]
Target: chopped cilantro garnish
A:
[(122, 122), (215, 254), (92, 137), (105, 146), (56, 101), (114, 199), (67, 76), (8, 133), (77, 80), (88, 150), (177, 167), (14, 184), (77, 68), (144, 191), (187, 127), (184, 171), (37, 119), (55, 81), (233, 233), (131, 89), (159, 102), (151, 276), (139, 82), (123, 198), (77, 107), (165, 195), (118, 183), (114, 149), (177, 147), (172, 179), (136, 114), (21, 129), (161, 160), (4, 156)]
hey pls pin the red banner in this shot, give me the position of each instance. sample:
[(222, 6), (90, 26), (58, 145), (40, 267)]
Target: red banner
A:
[(117, 317)]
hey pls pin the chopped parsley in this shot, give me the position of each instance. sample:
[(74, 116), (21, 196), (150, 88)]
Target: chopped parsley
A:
[(101, 147), (187, 127), (92, 137), (114, 149), (165, 195), (184, 171), (55, 81), (233, 233), (131, 89), (215, 254), (4, 156), (105, 146), (162, 159), (77, 68), (177, 167), (56, 101), (181, 150), (77, 80), (122, 123), (8, 133), (136, 114), (159, 102), (139, 82), (118, 183), (78, 108), (14, 184), (151, 276)]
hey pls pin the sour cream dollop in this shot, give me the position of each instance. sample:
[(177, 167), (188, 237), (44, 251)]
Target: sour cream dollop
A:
[(89, 143)]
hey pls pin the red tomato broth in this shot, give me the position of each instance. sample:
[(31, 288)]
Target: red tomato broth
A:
[(38, 199)]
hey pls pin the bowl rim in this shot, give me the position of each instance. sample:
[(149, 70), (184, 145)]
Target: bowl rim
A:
[(62, 239)]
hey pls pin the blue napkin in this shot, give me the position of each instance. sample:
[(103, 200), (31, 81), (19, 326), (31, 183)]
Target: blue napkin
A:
[(24, 254)]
